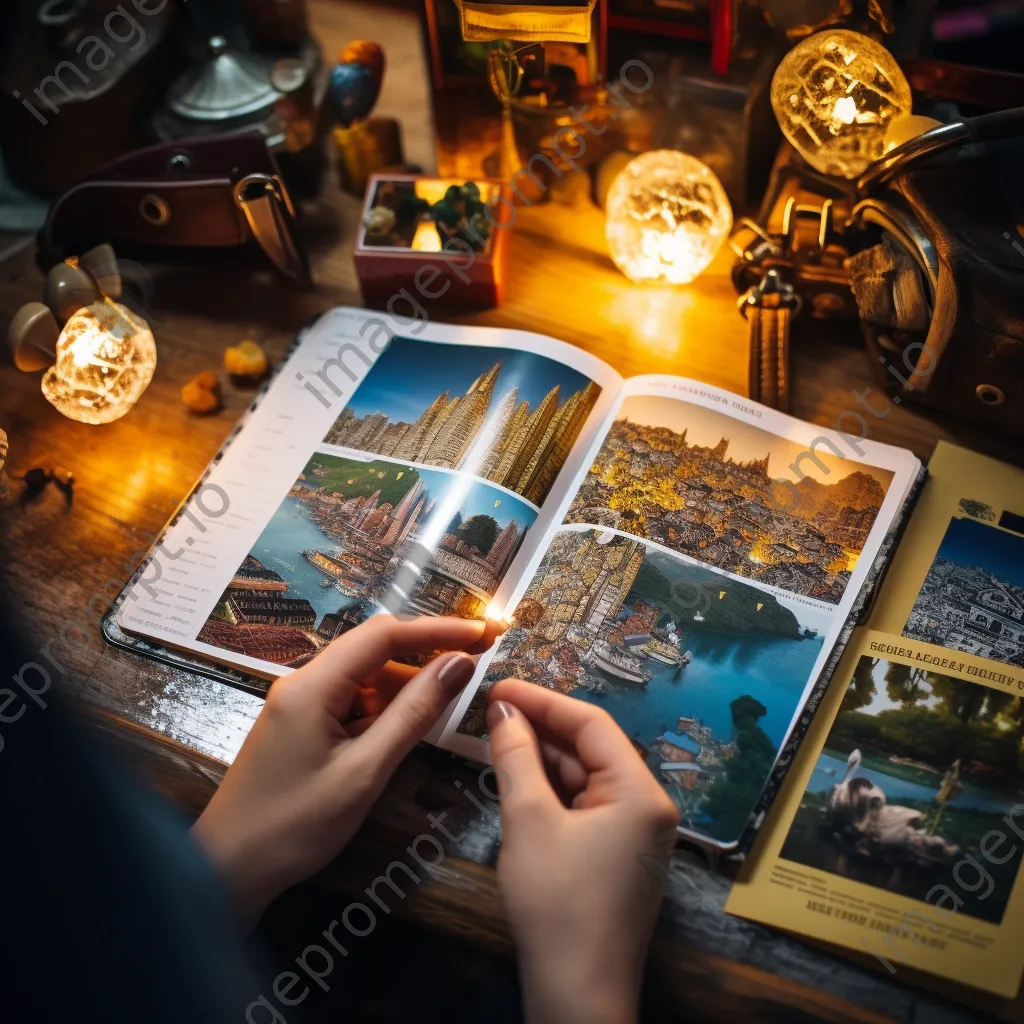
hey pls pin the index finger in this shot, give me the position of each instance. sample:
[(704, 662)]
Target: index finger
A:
[(342, 666), (595, 736)]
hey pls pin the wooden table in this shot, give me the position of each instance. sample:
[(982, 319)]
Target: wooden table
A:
[(181, 728)]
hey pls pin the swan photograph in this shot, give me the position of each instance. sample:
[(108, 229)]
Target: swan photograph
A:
[(917, 768)]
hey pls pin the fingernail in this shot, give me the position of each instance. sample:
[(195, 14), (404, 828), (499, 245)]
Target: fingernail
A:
[(497, 713), (455, 673)]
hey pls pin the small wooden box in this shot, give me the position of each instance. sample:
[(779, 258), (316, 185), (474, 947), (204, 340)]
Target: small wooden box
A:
[(404, 257)]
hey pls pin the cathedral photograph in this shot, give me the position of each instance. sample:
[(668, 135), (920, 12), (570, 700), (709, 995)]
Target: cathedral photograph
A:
[(334, 550), (501, 415), (732, 495)]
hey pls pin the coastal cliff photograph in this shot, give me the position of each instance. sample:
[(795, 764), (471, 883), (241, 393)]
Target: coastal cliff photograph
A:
[(733, 496), (702, 671)]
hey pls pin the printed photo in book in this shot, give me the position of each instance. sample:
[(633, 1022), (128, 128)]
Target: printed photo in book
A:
[(733, 495), (701, 671), (505, 416), (325, 561)]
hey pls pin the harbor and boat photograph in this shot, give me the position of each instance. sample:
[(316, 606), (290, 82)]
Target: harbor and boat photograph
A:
[(326, 560), (711, 487), (972, 599), (703, 672), (502, 415), (917, 769)]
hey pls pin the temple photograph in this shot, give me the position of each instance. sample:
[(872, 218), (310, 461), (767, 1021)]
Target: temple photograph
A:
[(502, 415), (328, 558), (703, 672), (732, 495), (973, 596)]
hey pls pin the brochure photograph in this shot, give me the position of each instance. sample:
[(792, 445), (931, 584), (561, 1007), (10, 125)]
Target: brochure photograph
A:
[(973, 596), (918, 767), (702, 672), (899, 831)]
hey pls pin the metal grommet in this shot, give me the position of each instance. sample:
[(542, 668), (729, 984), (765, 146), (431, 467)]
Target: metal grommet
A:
[(180, 162), (154, 210), (989, 394), (57, 13)]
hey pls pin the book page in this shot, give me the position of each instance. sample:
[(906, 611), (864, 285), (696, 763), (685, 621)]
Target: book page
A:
[(704, 568), (898, 832), (407, 467)]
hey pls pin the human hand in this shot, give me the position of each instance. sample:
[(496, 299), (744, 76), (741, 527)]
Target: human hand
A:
[(586, 828), (309, 771)]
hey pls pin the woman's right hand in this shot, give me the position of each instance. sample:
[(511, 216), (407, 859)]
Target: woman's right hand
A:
[(587, 833)]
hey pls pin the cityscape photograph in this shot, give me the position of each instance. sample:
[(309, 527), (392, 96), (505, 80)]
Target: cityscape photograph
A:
[(505, 416), (972, 599), (326, 560), (917, 770), (710, 486), (702, 672)]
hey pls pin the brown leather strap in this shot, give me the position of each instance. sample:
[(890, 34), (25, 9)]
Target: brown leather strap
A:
[(768, 307), (769, 325)]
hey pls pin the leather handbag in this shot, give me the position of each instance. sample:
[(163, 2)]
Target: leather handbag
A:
[(927, 254), (941, 289)]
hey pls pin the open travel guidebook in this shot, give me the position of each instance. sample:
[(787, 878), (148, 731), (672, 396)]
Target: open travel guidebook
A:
[(899, 832), (684, 558)]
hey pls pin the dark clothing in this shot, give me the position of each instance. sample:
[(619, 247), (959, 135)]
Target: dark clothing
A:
[(108, 912)]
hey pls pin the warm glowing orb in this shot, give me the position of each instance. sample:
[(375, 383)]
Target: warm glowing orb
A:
[(106, 356), (668, 216), (835, 95)]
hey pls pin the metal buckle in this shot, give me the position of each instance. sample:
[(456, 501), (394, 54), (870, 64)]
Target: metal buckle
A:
[(270, 215), (771, 284)]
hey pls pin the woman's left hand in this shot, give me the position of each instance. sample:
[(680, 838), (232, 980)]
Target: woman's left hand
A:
[(309, 770)]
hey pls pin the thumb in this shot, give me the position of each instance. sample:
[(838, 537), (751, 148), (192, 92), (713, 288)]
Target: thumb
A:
[(414, 712), (517, 756)]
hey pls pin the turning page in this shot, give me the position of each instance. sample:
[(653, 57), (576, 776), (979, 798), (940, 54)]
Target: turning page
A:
[(380, 451), (704, 567)]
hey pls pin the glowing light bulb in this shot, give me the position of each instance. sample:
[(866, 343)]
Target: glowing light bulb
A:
[(835, 95), (106, 357), (668, 216)]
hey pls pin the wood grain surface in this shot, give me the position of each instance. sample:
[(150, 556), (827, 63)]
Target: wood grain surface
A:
[(61, 563)]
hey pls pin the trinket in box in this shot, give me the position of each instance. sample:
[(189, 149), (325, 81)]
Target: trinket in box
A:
[(438, 243)]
